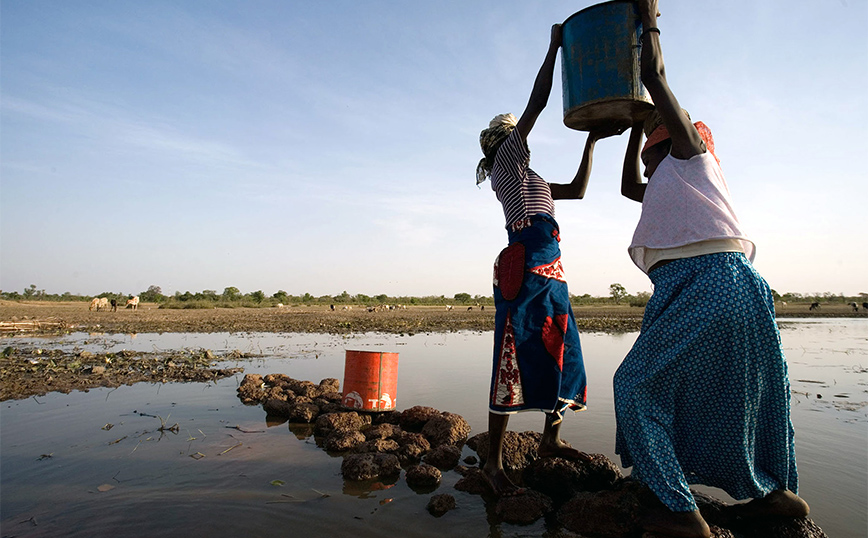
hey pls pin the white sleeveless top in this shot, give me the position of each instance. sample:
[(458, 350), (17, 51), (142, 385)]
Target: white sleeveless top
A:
[(687, 202)]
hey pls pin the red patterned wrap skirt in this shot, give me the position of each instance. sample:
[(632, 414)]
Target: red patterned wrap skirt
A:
[(538, 362)]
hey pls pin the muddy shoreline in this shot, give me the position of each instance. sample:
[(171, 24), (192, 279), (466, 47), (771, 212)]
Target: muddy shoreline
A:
[(149, 318), (75, 317), (37, 369)]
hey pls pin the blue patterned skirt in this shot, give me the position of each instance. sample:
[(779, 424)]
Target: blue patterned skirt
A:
[(703, 396), (537, 354)]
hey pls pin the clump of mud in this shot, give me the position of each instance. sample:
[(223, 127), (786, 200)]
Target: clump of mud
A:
[(33, 371), (589, 497)]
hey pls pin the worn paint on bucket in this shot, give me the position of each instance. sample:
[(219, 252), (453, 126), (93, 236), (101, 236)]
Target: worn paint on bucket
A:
[(370, 380), (600, 67)]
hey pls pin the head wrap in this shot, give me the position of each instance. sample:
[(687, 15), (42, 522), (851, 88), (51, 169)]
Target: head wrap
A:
[(656, 132), (490, 140)]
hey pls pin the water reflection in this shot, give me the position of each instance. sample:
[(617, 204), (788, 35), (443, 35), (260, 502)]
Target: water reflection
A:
[(229, 468)]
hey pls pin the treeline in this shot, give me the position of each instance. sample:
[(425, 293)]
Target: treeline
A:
[(826, 298), (232, 297)]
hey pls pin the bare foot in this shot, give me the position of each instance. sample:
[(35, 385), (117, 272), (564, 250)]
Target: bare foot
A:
[(676, 524), (560, 449), (500, 484), (780, 502)]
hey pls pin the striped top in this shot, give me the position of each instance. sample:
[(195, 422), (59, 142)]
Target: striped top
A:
[(521, 191)]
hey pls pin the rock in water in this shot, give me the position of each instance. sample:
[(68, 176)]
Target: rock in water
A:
[(523, 509), (440, 504)]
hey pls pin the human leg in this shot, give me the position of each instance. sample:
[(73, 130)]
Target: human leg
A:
[(500, 484), (687, 368), (720, 364), (655, 463), (551, 444), (651, 385)]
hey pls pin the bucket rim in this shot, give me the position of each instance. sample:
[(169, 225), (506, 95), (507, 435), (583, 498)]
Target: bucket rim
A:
[(370, 351), (595, 6)]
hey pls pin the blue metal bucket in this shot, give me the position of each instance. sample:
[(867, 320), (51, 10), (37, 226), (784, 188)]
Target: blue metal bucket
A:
[(600, 67)]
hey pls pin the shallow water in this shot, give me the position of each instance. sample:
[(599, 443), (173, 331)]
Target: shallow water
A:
[(95, 463)]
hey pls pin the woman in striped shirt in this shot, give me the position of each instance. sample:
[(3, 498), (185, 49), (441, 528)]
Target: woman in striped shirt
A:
[(537, 355)]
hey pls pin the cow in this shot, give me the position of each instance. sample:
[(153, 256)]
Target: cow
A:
[(449, 307), (133, 303), (854, 306), (814, 306), (114, 303), (864, 306), (94, 304)]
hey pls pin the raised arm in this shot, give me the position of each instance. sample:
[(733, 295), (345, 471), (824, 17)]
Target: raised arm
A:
[(576, 189), (631, 177), (542, 86), (686, 141)]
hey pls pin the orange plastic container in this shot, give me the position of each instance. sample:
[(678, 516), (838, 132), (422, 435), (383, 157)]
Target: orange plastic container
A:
[(370, 380)]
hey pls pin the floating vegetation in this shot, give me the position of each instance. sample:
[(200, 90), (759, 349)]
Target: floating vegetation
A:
[(31, 371)]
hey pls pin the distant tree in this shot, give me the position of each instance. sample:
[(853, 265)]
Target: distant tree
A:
[(640, 299), (231, 293), (281, 297), (307, 298), (462, 297), (210, 295), (30, 292), (381, 298), (154, 294), (257, 296), (617, 292)]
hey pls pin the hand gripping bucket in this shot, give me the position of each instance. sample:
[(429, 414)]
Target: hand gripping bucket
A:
[(600, 67), (370, 380)]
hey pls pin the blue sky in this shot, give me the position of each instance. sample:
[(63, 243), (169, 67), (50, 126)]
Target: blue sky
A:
[(327, 146)]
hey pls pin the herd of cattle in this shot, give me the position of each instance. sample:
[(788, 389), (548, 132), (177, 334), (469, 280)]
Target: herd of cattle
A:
[(854, 306), (101, 303)]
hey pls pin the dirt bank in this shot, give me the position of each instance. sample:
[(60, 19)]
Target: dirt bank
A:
[(75, 317), (33, 370)]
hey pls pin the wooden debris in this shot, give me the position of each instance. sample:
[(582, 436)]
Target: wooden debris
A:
[(31, 325)]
